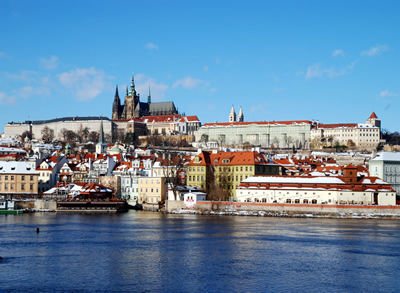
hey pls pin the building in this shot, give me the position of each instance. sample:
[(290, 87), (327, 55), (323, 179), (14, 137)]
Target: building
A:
[(49, 170), (15, 129), (227, 169), (134, 108), (152, 191), (362, 135), (283, 134), (346, 189), (18, 179), (386, 165)]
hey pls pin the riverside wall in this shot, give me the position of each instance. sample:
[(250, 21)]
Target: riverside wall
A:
[(275, 208), (39, 205)]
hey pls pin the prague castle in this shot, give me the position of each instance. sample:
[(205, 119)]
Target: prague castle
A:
[(134, 108)]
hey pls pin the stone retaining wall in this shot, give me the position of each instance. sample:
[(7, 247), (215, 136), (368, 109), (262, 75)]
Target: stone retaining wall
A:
[(297, 208)]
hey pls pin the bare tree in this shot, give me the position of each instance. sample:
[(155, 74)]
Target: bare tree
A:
[(47, 134), (275, 141), (26, 133), (93, 136)]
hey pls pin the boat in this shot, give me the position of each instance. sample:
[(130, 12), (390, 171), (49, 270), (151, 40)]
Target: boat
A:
[(88, 205), (7, 207)]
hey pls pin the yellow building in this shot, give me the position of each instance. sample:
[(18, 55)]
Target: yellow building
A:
[(18, 179), (227, 169), (152, 191)]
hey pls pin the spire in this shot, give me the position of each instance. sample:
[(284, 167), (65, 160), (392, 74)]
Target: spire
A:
[(241, 116), (116, 92), (232, 115), (127, 91), (101, 134), (149, 97), (132, 92)]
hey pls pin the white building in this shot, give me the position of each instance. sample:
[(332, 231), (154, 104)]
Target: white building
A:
[(346, 189), (363, 135), (386, 165)]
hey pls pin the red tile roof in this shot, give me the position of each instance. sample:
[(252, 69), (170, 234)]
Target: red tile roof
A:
[(373, 116), (258, 123)]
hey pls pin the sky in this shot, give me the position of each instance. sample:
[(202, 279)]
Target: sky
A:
[(332, 61)]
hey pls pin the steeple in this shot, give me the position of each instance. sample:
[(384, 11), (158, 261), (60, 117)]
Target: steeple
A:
[(127, 91), (232, 115), (241, 116), (149, 97), (101, 134), (116, 105), (132, 92), (101, 147)]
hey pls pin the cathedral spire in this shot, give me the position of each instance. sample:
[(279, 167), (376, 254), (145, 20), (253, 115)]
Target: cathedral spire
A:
[(116, 92), (116, 105), (149, 97), (132, 92)]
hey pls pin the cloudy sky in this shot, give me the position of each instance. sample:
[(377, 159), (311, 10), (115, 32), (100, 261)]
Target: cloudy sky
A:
[(335, 61)]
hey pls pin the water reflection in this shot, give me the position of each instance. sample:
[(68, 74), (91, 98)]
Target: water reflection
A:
[(145, 251)]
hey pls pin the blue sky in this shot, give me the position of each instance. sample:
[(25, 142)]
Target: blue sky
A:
[(335, 61)]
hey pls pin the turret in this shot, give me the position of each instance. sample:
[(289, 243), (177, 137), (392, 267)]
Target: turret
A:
[(241, 116), (232, 115), (132, 91)]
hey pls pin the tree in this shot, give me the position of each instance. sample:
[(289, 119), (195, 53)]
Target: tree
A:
[(204, 139), (289, 141), (247, 146), (47, 134), (26, 133), (83, 134), (93, 136), (275, 141)]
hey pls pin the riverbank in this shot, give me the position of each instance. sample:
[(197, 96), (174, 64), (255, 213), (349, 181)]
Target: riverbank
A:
[(291, 210)]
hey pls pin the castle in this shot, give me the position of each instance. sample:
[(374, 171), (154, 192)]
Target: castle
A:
[(134, 108)]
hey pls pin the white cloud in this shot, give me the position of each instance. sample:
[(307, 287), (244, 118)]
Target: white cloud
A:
[(2, 54), (151, 46), (188, 82), (85, 83), (50, 63), (279, 89), (6, 99), (213, 90), (315, 70), (338, 53), (205, 68), (259, 107), (28, 91), (218, 60), (143, 82), (25, 75), (386, 93), (374, 51)]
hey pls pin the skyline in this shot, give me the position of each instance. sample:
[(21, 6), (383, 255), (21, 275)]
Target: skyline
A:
[(335, 62)]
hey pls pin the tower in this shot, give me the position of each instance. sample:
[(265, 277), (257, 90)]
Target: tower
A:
[(241, 116), (116, 106), (374, 120), (149, 97), (232, 115), (101, 146)]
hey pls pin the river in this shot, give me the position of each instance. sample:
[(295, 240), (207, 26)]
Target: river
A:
[(153, 252)]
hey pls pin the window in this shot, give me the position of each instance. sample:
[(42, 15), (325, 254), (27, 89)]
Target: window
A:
[(6, 177), (22, 186), (12, 186), (23, 178), (314, 201), (6, 186), (288, 200)]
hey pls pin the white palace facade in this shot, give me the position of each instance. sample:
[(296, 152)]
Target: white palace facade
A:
[(346, 189)]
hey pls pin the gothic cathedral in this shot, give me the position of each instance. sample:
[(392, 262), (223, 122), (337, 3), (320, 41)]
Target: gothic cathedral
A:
[(133, 108)]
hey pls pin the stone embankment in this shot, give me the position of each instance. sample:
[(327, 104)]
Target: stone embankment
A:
[(293, 210), (37, 205)]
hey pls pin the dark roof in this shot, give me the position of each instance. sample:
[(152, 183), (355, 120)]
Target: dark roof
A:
[(64, 119)]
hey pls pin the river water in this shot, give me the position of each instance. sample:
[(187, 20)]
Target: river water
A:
[(152, 252)]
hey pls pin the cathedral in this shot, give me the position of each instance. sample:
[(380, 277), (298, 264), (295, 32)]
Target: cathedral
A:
[(134, 108)]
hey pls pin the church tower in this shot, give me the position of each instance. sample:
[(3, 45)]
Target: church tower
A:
[(232, 115), (101, 146), (241, 116), (374, 120), (149, 97), (116, 111)]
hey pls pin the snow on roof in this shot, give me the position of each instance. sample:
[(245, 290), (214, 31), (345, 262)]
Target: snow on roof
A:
[(387, 156), (13, 167), (290, 179)]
